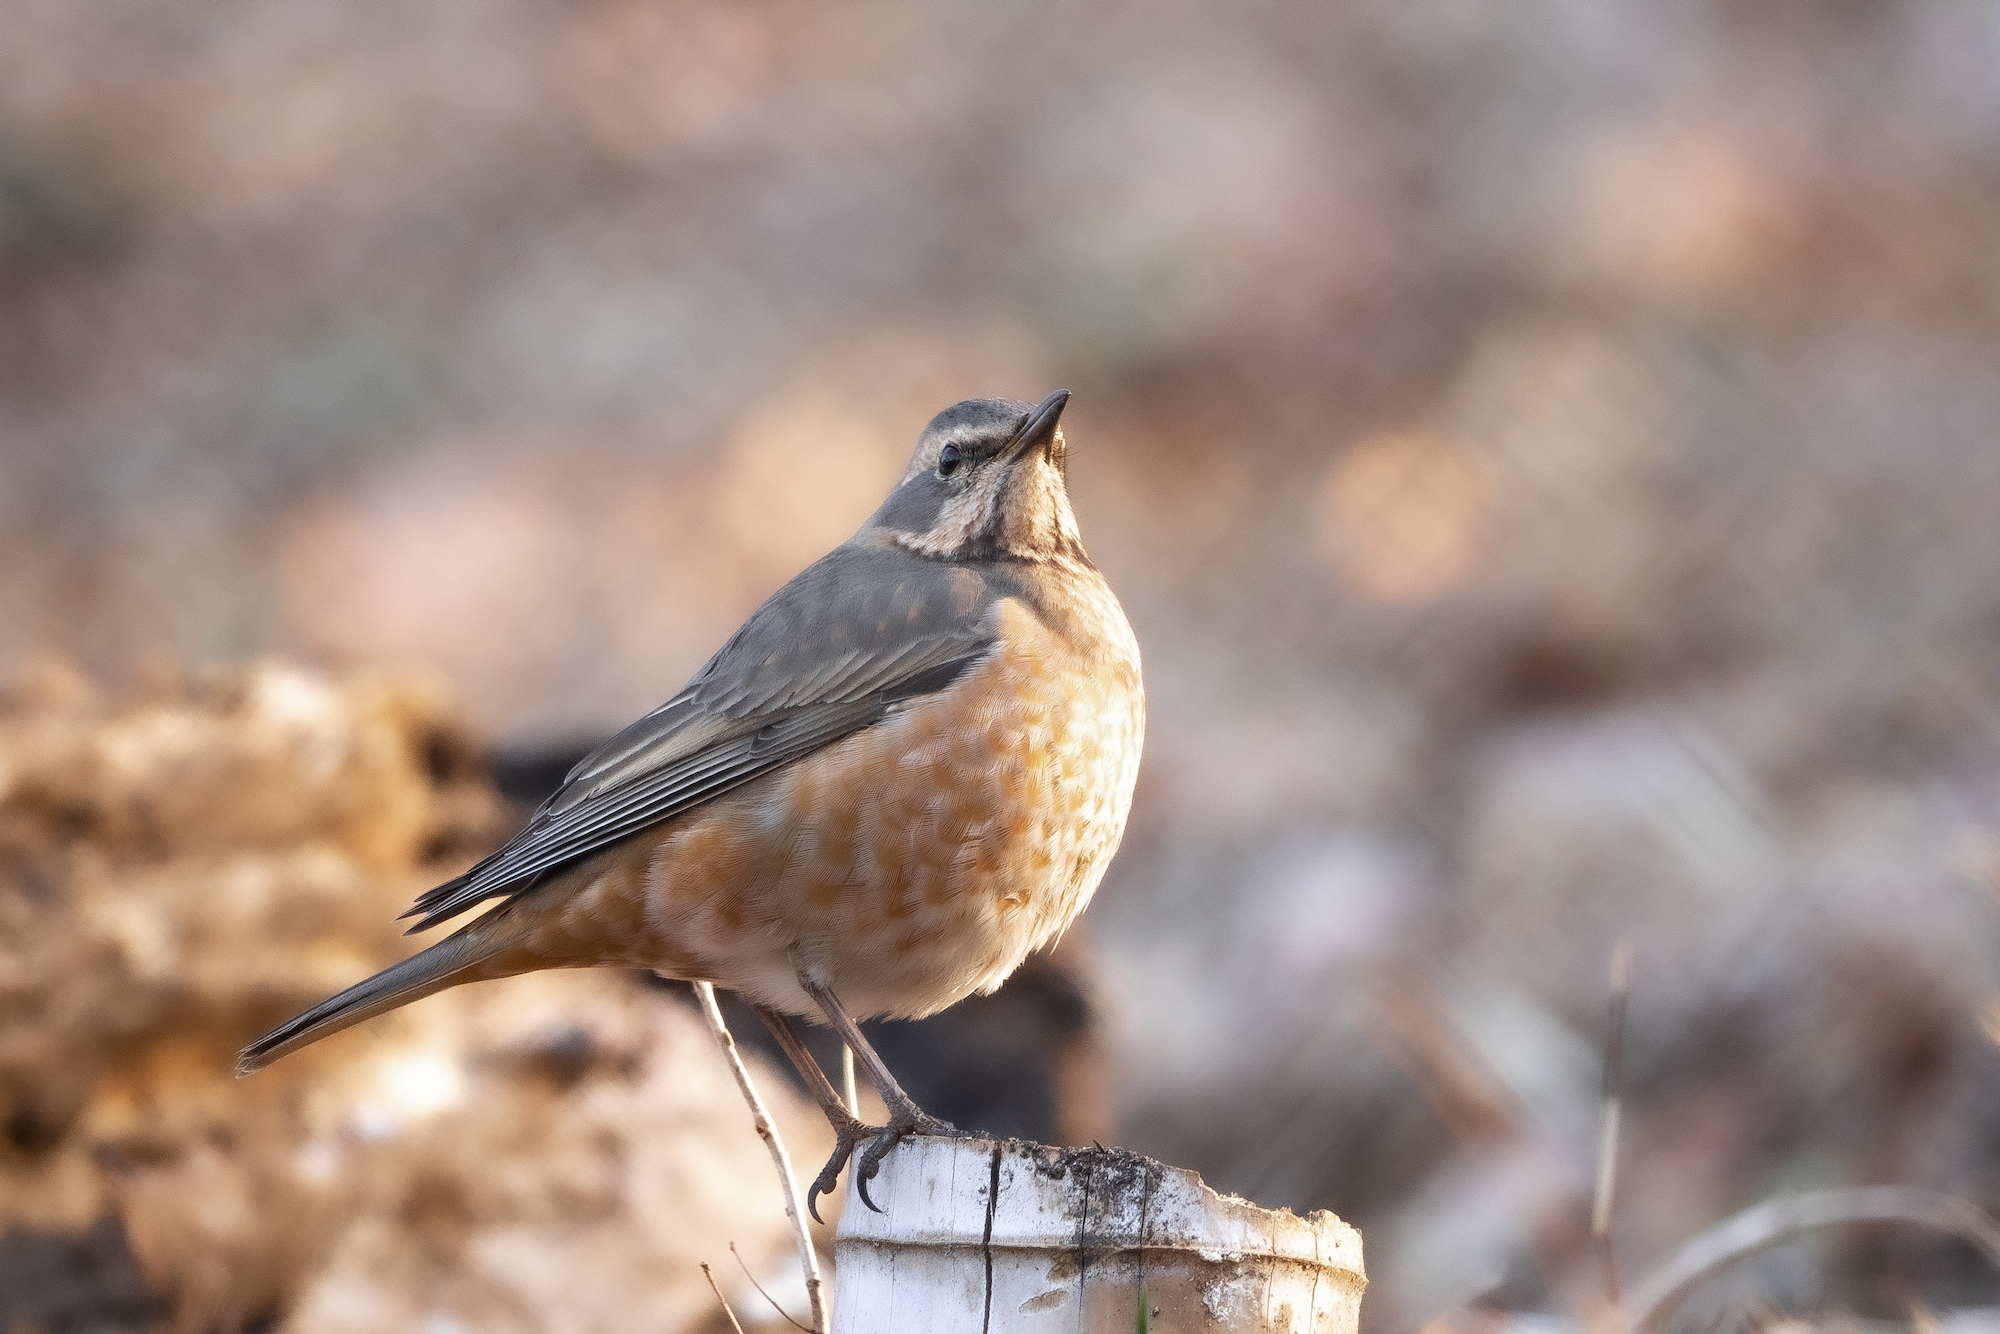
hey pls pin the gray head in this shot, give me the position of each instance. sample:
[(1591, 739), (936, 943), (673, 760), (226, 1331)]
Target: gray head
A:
[(986, 483)]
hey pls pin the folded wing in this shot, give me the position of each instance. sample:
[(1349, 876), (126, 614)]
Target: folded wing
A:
[(838, 649)]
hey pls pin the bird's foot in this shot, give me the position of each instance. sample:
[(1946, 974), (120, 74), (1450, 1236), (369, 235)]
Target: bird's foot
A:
[(912, 1121), (848, 1138)]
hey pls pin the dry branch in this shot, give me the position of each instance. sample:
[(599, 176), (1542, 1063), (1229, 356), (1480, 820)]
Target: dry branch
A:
[(1613, 1100), (1775, 1221), (768, 1131)]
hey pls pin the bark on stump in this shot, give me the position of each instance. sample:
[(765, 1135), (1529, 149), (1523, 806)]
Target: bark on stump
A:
[(990, 1236)]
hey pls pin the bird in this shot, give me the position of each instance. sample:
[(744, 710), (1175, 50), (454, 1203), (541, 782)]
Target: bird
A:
[(904, 773)]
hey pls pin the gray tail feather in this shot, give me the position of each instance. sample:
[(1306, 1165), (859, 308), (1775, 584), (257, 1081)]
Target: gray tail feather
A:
[(442, 965)]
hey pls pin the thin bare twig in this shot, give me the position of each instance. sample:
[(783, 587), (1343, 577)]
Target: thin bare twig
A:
[(787, 1315), (768, 1131), (1774, 1221), (710, 1276), (1607, 1131), (847, 1086)]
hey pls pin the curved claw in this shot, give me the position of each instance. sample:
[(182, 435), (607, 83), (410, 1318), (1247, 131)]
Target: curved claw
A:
[(891, 1135), (846, 1139), (821, 1185), (871, 1162), (861, 1180)]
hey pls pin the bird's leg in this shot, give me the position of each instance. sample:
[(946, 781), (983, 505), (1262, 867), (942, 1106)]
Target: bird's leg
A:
[(848, 1131), (817, 1083), (905, 1117), (901, 1106)]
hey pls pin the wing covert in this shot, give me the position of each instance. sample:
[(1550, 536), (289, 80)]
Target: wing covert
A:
[(836, 650)]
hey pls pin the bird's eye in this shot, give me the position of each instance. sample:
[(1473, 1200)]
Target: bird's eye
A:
[(948, 459)]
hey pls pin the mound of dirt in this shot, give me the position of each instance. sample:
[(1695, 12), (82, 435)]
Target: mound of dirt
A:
[(554, 1152)]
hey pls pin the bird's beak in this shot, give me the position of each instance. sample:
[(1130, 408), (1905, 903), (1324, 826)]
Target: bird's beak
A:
[(1040, 428)]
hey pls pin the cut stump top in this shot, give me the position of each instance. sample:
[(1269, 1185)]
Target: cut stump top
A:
[(992, 1235)]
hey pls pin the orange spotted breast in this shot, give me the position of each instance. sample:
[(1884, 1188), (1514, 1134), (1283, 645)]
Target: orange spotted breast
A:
[(910, 864)]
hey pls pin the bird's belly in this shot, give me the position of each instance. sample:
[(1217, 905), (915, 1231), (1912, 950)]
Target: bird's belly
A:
[(912, 863)]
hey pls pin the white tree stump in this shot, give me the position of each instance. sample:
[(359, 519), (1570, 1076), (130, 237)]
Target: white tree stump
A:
[(986, 1236)]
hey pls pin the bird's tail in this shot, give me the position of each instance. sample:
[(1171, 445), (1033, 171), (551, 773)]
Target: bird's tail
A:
[(455, 959)]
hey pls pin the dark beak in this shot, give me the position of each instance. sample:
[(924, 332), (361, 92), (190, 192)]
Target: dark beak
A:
[(1040, 428)]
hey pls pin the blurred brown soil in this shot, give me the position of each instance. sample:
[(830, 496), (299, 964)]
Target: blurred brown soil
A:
[(180, 871)]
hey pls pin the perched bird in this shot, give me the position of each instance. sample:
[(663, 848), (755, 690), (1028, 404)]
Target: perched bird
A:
[(904, 773)]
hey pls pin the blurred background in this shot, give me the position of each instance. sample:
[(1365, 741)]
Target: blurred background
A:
[(1549, 452)]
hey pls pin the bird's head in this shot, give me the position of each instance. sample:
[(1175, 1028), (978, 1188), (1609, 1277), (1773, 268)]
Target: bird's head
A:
[(986, 484)]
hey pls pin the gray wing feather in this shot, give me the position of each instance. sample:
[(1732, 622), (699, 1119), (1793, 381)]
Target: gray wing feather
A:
[(834, 651)]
